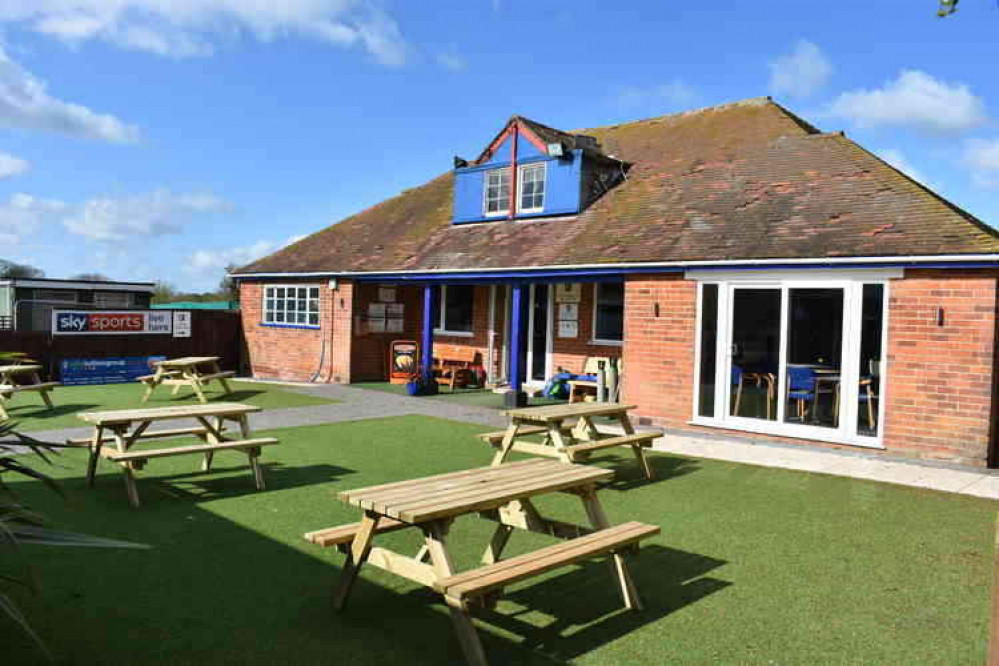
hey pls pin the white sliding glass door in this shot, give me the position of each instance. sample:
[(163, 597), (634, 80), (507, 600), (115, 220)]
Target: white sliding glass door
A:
[(795, 356)]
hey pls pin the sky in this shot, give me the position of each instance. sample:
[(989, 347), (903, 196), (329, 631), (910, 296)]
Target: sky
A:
[(164, 139)]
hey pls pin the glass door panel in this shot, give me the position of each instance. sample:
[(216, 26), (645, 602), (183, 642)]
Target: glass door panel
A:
[(814, 356), (871, 353), (709, 350), (755, 353)]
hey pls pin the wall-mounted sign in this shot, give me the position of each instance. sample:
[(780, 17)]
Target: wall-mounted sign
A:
[(568, 329), (181, 324), (386, 294), (119, 370), (568, 311), (568, 292), (112, 322)]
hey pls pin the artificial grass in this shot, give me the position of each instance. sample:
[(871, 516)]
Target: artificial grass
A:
[(753, 565), (30, 413)]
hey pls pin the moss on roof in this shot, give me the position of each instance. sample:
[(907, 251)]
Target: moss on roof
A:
[(748, 180)]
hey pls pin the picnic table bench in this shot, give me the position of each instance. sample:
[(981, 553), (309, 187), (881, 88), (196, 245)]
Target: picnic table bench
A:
[(11, 382), (124, 428), (569, 442), (500, 494), (454, 367), (187, 371)]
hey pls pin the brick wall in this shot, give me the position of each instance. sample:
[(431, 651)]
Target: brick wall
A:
[(659, 351), (571, 353), (278, 352), (939, 388)]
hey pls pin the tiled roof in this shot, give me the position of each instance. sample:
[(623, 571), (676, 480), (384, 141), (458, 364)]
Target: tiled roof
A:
[(748, 180)]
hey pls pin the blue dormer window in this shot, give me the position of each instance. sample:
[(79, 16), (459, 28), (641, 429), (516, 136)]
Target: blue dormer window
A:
[(497, 192), (531, 183)]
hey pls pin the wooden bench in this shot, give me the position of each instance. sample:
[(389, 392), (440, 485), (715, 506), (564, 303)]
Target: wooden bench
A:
[(7, 392), (638, 439), (455, 366), (496, 438), (460, 589), (344, 534)]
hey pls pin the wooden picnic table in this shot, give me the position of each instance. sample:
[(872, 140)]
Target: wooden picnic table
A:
[(126, 427), (500, 494), (187, 371), (12, 381), (568, 442)]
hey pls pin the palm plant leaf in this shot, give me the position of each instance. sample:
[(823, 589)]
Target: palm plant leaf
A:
[(8, 607)]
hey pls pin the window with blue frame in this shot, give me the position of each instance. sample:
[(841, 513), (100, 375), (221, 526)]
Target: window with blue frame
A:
[(291, 305), (497, 192), (531, 183)]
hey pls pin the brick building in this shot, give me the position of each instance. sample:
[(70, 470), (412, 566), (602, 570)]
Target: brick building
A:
[(751, 273)]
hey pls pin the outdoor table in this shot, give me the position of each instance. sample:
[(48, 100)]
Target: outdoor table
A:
[(501, 494), (12, 381), (127, 427), (566, 443), (187, 371)]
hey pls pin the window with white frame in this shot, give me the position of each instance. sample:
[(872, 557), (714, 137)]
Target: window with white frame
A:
[(793, 354), (453, 310), (291, 305), (497, 192), (531, 183), (112, 299), (608, 312)]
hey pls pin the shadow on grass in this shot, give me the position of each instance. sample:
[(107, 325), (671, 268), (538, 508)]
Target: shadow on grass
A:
[(628, 473), (220, 482), (41, 412), (584, 607)]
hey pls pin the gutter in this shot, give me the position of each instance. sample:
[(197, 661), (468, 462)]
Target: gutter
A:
[(608, 269)]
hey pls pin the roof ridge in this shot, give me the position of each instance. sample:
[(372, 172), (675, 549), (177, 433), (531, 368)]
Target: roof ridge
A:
[(749, 101)]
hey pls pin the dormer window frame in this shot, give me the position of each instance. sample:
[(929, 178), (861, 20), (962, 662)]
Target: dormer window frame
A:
[(521, 180), (487, 185)]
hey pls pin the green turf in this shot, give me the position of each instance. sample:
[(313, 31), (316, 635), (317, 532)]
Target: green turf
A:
[(753, 566), (30, 414)]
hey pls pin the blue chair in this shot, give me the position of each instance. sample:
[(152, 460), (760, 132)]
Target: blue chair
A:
[(801, 388)]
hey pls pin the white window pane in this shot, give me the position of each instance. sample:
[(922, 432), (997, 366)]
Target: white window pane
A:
[(279, 317), (314, 319), (314, 306), (314, 292)]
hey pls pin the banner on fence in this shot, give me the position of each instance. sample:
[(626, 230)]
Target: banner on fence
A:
[(77, 371), (111, 322)]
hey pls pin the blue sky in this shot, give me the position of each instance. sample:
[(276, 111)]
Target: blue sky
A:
[(162, 139)]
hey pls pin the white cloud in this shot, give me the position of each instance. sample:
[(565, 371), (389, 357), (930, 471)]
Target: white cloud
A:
[(211, 263), (897, 159), (158, 213), (917, 100), (23, 214), (26, 104), (982, 156), (452, 61), (187, 28), (802, 72), (675, 93), (12, 166)]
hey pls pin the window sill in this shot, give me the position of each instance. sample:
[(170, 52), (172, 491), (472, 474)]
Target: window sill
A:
[(607, 343), (814, 433), (311, 327), (455, 334)]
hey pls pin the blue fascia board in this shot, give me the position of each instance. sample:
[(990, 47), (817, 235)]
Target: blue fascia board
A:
[(490, 166)]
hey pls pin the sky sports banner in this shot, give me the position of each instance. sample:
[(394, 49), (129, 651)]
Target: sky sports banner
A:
[(112, 322)]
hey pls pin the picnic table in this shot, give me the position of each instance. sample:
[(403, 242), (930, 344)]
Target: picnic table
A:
[(564, 441), (126, 427), (187, 371), (500, 494), (12, 381)]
